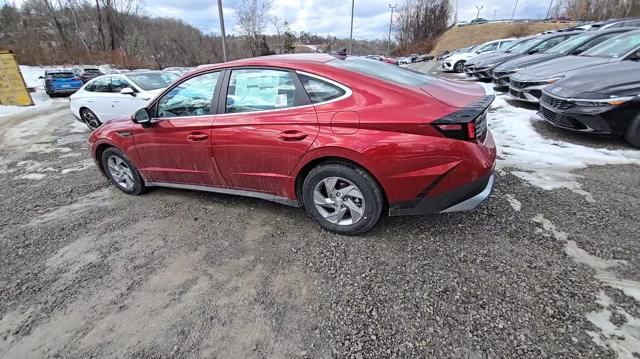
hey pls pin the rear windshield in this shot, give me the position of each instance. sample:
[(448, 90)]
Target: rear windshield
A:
[(152, 80), (386, 72), (60, 75), (615, 47), (92, 70)]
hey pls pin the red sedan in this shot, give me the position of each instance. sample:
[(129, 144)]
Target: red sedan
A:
[(345, 137)]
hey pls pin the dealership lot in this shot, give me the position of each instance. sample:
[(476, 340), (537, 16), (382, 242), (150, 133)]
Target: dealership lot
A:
[(547, 267)]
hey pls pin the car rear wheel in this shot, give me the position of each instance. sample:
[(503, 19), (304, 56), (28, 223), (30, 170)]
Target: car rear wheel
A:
[(90, 119), (121, 172), (343, 199), (459, 66), (633, 133)]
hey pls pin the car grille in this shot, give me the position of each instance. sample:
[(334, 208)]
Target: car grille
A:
[(518, 84), (556, 102), (481, 126), (516, 94), (560, 119)]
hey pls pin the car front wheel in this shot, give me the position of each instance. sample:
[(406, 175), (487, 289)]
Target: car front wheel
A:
[(121, 172), (633, 133), (459, 66), (90, 119), (342, 198)]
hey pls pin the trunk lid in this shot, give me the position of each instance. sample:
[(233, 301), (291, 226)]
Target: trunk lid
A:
[(455, 93)]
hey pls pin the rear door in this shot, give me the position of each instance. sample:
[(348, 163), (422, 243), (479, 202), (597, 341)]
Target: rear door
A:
[(100, 101), (265, 124)]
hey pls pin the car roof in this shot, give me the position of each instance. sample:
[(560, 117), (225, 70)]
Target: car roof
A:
[(273, 60)]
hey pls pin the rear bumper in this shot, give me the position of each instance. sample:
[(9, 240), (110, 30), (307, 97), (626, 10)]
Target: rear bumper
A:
[(463, 198)]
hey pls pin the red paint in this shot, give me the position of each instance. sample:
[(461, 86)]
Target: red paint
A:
[(382, 127)]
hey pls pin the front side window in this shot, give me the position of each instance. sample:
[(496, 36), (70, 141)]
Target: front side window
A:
[(193, 97), (320, 91), (489, 47), (259, 90), (118, 83), (102, 85), (589, 44)]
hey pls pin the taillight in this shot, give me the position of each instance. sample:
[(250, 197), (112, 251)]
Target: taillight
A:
[(458, 131), (468, 123)]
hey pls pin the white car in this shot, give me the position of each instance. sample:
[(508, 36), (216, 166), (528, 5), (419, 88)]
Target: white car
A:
[(404, 60), (455, 62), (115, 96)]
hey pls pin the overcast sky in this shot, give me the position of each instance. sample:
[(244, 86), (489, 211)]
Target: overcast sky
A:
[(331, 16)]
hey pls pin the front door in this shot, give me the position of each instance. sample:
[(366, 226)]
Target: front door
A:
[(125, 105), (266, 127), (176, 147)]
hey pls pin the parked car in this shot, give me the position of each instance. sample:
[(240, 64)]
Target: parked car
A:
[(404, 60), (526, 83), (60, 81), (320, 131), (87, 73), (176, 70), (601, 100), (115, 96), (462, 23), (483, 70), (574, 46), (413, 57), (389, 60), (456, 61), (628, 22), (424, 57), (518, 43), (478, 21)]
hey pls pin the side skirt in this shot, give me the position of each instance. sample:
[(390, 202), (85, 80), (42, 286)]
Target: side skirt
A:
[(223, 190)]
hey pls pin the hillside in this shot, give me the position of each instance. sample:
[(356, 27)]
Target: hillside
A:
[(458, 37)]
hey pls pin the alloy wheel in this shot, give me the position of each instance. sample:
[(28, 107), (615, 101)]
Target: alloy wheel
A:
[(120, 172), (90, 120), (339, 201)]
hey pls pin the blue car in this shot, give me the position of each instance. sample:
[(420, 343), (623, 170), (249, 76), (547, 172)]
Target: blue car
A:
[(61, 82)]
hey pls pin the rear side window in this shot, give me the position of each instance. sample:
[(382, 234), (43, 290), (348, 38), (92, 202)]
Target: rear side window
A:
[(320, 91), (259, 90), (386, 72), (60, 75)]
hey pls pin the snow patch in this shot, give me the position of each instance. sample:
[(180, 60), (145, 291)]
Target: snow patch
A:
[(545, 163), (515, 204), (625, 339)]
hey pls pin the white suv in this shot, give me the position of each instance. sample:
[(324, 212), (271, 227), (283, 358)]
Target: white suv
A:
[(456, 62)]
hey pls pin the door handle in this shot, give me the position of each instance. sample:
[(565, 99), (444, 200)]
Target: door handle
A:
[(197, 137), (293, 135)]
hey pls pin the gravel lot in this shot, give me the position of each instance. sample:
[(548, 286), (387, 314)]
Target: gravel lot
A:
[(86, 270)]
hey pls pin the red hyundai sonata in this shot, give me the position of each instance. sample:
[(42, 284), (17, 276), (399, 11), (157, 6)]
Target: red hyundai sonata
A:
[(345, 137)]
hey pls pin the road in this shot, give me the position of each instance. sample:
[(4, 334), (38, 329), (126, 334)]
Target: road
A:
[(87, 271)]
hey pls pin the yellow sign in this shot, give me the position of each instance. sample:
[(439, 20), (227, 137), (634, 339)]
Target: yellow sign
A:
[(13, 90)]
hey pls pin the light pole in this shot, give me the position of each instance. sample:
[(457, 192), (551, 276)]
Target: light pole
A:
[(224, 41), (514, 10), (390, 23), (549, 11), (351, 32), (479, 7)]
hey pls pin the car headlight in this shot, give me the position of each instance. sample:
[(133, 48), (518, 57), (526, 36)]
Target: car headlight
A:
[(613, 101)]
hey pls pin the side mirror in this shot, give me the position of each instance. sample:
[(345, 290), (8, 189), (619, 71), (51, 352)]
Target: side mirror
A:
[(128, 91), (142, 117)]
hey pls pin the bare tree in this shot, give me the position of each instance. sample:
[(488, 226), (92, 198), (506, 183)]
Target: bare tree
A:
[(252, 19)]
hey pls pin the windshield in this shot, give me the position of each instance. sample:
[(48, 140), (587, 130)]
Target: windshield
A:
[(152, 80), (568, 45), (382, 71), (615, 47), (520, 47)]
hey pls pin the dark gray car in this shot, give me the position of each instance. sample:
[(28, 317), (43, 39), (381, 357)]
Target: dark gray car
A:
[(528, 83), (574, 46), (482, 70)]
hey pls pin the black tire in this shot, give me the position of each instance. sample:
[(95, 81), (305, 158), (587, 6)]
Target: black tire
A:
[(51, 94), (371, 193), (633, 133), (459, 66), (90, 119), (138, 183)]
